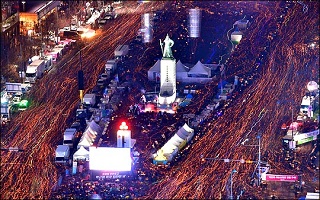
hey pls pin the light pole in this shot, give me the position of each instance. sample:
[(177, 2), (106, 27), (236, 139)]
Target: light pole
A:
[(23, 6), (259, 156), (231, 182), (291, 106)]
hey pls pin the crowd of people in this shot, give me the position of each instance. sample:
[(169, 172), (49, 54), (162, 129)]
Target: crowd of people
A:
[(82, 185), (78, 188)]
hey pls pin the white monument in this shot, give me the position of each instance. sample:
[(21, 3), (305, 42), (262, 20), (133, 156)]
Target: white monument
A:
[(124, 136), (167, 93)]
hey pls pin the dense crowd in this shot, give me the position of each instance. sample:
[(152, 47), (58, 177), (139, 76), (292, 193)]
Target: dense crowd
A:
[(81, 185)]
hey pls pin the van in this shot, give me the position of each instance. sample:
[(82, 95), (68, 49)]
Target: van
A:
[(69, 136)]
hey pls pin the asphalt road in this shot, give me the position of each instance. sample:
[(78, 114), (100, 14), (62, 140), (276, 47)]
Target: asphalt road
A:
[(38, 130)]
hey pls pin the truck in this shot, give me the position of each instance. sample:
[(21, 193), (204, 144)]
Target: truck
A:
[(121, 51), (70, 34), (47, 62), (17, 98), (109, 13), (306, 105), (89, 99), (47, 59), (69, 137), (5, 113), (25, 88), (35, 71), (110, 66), (13, 88), (62, 154)]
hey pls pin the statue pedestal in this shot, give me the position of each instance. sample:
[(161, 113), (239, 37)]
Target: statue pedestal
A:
[(168, 81)]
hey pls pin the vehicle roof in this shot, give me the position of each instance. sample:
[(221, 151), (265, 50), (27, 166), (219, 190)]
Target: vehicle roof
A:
[(37, 62)]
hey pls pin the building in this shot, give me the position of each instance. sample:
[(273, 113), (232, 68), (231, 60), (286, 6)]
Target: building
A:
[(168, 80), (35, 18), (9, 25)]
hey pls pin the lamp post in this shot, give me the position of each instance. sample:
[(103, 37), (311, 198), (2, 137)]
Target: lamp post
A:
[(231, 182), (259, 155), (23, 6), (291, 106)]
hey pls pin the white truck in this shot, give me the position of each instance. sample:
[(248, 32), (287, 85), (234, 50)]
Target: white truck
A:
[(17, 98), (69, 136), (47, 62), (121, 51), (62, 154), (110, 66), (13, 88), (89, 99), (25, 88), (5, 113), (35, 71)]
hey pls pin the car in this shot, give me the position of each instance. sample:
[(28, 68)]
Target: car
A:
[(17, 98), (78, 126), (102, 82), (23, 105)]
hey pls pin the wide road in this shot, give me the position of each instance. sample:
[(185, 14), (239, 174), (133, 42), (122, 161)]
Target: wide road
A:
[(263, 107), (32, 173)]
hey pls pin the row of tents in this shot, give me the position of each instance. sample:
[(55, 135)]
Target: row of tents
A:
[(173, 145), (183, 71)]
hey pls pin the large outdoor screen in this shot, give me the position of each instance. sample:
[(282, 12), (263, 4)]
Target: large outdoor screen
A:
[(110, 159)]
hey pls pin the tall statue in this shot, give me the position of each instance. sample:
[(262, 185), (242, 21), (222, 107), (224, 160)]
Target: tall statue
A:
[(166, 51)]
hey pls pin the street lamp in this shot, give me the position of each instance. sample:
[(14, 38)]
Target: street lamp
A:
[(291, 106), (232, 172), (23, 6), (259, 155)]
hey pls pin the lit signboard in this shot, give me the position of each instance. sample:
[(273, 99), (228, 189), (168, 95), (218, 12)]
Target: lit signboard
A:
[(274, 177), (109, 159)]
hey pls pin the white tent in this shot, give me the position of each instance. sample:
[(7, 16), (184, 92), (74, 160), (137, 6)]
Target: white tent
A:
[(199, 70), (92, 131), (169, 151), (82, 153), (84, 142), (182, 71), (176, 140), (154, 71), (169, 148), (185, 132)]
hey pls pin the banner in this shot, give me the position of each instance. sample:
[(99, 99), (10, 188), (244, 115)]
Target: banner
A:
[(285, 178)]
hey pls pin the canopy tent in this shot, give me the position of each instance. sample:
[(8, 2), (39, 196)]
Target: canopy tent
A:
[(185, 132), (175, 143), (82, 153), (181, 67), (199, 70), (90, 134), (176, 140), (169, 151), (169, 148), (181, 71), (154, 71)]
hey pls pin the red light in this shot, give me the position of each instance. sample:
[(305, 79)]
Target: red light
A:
[(123, 126)]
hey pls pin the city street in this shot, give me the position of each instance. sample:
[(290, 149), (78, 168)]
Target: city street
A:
[(270, 61)]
